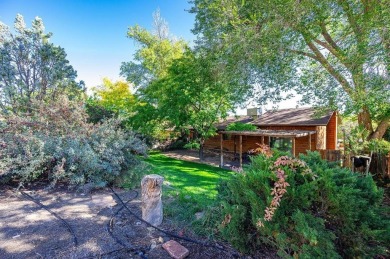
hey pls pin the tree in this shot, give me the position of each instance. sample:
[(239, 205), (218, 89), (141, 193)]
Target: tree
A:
[(334, 52), (196, 93), (156, 53), (179, 87), (31, 68), (111, 99)]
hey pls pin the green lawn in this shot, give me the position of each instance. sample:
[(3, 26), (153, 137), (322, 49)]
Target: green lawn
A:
[(189, 187)]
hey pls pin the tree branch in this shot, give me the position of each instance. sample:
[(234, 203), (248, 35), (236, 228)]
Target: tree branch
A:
[(324, 62), (306, 54), (380, 130)]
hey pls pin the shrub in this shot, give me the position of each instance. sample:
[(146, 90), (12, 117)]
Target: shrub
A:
[(57, 142), (304, 208), (192, 145), (131, 178), (239, 126)]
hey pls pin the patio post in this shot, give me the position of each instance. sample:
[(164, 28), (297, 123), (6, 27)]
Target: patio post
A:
[(293, 147)]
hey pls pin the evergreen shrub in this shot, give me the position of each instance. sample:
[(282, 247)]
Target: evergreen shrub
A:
[(239, 126), (303, 208), (56, 141)]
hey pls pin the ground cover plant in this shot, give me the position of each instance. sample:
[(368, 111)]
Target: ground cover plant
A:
[(189, 187), (305, 208)]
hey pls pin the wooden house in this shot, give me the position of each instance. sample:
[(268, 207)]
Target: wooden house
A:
[(296, 130)]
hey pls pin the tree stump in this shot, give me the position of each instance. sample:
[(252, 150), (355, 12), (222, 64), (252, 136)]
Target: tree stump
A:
[(152, 209)]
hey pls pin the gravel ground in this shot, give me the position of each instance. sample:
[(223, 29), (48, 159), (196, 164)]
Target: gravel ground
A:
[(29, 231)]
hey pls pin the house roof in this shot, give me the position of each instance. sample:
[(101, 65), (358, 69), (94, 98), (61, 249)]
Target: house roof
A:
[(242, 119), (293, 117), (273, 133)]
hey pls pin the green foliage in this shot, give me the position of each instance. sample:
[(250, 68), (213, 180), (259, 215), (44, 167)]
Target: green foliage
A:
[(188, 187), (333, 53), (357, 142), (111, 99), (239, 126), (131, 178), (31, 68), (96, 111), (57, 142), (192, 145), (202, 94), (179, 87), (324, 211), (156, 53)]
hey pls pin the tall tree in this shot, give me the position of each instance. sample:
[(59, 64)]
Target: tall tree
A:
[(334, 52), (179, 87), (156, 53), (31, 68), (196, 93), (111, 99)]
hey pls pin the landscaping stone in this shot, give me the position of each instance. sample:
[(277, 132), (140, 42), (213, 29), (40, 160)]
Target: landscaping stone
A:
[(175, 249), (152, 208), (199, 215)]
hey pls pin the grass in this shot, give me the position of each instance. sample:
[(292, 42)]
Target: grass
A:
[(189, 187)]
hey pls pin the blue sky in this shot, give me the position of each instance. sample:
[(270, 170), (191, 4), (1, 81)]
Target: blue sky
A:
[(93, 33)]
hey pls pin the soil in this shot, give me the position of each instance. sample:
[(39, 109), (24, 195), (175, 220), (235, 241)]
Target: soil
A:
[(27, 230), (81, 228)]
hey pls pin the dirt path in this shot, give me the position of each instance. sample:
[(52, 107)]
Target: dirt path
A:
[(28, 231)]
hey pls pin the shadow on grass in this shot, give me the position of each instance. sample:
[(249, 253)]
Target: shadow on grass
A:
[(192, 186)]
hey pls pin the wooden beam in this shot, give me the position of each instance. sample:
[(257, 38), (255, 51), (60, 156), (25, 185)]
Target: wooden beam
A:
[(221, 150), (240, 151), (310, 142), (293, 147), (262, 140)]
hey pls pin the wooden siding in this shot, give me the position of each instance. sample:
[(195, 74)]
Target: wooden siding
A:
[(326, 138), (331, 133), (321, 137)]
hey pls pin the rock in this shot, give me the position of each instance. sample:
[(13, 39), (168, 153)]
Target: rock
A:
[(153, 244), (199, 215), (175, 250), (152, 209)]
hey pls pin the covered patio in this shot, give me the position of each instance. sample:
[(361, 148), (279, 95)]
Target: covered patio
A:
[(263, 134)]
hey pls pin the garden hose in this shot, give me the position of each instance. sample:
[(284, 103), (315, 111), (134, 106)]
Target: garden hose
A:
[(54, 214), (110, 226), (169, 233)]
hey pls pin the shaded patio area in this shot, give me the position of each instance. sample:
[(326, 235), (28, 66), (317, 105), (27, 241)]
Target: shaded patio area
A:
[(210, 158)]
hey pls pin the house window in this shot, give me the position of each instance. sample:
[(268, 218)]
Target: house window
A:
[(282, 144)]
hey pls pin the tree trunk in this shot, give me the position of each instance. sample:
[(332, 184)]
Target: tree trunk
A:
[(201, 149), (380, 130), (364, 119)]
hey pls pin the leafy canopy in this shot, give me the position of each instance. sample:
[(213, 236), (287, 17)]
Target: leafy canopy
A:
[(156, 53), (335, 53)]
